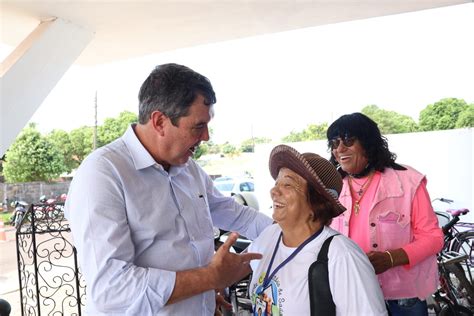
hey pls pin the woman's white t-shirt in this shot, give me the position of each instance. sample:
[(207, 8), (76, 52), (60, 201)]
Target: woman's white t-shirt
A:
[(354, 286)]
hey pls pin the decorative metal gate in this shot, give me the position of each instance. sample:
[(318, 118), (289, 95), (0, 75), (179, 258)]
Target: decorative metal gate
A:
[(50, 280)]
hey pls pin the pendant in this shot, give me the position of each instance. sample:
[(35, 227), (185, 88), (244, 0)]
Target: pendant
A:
[(360, 191), (356, 208)]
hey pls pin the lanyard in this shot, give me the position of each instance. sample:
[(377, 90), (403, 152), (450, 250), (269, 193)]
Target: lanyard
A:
[(268, 276)]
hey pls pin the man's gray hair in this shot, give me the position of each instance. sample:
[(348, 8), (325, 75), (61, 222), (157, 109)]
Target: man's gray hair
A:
[(171, 89)]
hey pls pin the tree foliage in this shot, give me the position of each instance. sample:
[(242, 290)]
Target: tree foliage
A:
[(311, 132), (202, 149), (32, 157), (444, 114), (207, 147), (390, 122), (82, 139), (229, 149), (248, 145), (466, 117), (60, 139), (114, 128)]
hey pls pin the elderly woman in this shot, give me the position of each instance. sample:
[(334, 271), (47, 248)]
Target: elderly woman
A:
[(389, 213), (304, 202)]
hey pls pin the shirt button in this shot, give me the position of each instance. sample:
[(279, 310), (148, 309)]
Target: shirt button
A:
[(372, 224), (375, 245)]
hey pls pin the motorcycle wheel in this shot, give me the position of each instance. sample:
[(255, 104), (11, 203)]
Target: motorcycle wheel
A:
[(18, 219)]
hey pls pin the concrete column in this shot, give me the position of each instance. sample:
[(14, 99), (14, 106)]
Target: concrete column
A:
[(32, 70)]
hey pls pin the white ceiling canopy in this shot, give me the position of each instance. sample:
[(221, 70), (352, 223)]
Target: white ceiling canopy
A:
[(126, 29)]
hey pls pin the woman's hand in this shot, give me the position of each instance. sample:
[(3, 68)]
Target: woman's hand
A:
[(380, 261), (384, 260)]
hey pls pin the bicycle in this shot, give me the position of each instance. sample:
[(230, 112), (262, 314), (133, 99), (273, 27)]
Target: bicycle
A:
[(459, 236), (455, 295), (452, 296)]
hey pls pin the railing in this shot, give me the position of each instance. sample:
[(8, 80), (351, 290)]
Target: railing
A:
[(49, 276)]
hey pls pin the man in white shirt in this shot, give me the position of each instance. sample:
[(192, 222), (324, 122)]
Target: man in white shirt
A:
[(141, 212)]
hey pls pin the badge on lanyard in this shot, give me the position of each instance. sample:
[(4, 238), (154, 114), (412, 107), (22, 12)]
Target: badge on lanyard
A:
[(262, 306), (263, 303)]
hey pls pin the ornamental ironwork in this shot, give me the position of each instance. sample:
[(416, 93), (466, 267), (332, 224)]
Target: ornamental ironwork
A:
[(49, 275)]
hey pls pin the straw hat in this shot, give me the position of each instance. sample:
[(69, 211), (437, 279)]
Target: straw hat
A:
[(314, 169)]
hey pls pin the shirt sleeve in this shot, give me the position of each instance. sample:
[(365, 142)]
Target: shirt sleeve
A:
[(96, 212), (427, 235), (354, 286), (229, 215)]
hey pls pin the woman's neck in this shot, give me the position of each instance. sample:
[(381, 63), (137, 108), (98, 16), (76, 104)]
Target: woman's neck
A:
[(361, 173), (296, 234)]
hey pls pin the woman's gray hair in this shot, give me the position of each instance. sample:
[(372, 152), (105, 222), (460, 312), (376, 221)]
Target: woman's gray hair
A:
[(171, 89)]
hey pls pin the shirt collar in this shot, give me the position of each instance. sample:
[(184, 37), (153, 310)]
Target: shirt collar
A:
[(140, 156)]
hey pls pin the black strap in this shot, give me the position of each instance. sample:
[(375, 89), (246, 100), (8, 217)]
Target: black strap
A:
[(320, 297)]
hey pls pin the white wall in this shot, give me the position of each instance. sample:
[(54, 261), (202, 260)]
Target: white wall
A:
[(446, 157)]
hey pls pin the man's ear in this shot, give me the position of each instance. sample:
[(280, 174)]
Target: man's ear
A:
[(158, 121)]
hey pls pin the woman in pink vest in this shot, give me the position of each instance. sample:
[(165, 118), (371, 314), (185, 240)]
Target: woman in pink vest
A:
[(389, 213)]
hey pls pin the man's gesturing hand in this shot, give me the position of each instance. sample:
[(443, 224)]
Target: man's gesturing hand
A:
[(228, 268)]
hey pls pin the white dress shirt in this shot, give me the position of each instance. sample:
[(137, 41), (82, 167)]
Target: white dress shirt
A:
[(134, 225)]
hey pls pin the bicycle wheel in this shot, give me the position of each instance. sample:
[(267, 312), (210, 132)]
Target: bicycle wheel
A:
[(460, 285), (464, 243), (455, 310)]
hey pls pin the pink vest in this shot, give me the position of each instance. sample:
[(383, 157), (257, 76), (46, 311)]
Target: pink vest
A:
[(389, 228)]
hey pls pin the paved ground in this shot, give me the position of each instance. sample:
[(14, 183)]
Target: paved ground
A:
[(9, 284)]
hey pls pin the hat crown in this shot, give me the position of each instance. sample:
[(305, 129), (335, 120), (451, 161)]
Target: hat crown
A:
[(316, 170), (325, 171)]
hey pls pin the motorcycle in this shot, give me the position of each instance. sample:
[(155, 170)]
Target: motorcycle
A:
[(18, 214), (237, 294), (52, 207)]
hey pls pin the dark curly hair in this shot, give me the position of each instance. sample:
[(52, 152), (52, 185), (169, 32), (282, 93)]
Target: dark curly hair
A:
[(367, 132)]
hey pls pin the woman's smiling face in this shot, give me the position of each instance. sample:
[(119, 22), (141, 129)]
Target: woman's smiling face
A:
[(289, 196), (352, 159)]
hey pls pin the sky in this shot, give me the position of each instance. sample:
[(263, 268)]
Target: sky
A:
[(268, 86)]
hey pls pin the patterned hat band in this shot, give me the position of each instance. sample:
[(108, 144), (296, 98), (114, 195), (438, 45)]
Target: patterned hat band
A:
[(313, 168)]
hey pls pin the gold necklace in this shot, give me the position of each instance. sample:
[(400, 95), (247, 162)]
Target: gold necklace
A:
[(360, 185), (361, 191)]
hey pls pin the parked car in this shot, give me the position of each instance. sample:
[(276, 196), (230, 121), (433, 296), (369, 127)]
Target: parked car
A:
[(229, 186)]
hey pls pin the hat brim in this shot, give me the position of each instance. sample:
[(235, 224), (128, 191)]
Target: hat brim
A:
[(283, 156)]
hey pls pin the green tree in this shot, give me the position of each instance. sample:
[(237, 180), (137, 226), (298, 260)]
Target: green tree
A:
[(213, 148), (316, 131), (293, 137), (202, 149), (81, 139), (248, 145), (32, 157), (466, 117), (60, 139), (390, 122), (229, 149), (114, 128), (208, 147), (443, 114), (311, 132)]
